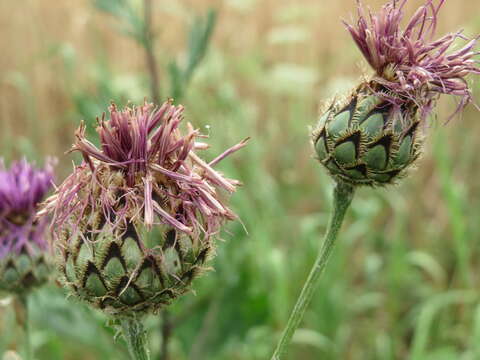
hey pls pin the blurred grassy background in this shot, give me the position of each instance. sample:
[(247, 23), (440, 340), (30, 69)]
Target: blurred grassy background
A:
[(404, 280)]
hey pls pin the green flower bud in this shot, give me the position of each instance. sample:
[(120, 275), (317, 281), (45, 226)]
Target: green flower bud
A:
[(19, 273), (132, 272), (365, 140)]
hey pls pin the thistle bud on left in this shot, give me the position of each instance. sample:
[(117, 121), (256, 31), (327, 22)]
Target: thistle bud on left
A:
[(135, 223), (23, 242)]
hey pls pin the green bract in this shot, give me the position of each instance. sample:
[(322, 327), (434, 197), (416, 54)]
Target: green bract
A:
[(19, 273), (365, 141), (133, 272), (134, 224)]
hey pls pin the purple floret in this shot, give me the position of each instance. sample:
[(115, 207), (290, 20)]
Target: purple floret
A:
[(22, 188), (411, 66), (144, 172)]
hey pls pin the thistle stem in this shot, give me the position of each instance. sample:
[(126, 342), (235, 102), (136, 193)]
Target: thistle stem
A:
[(342, 197), (134, 335), (166, 330), (150, 51), (23, 299)]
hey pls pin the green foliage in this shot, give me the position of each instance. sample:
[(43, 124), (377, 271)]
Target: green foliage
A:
[(132, 23), (199, 37), (402, 282)]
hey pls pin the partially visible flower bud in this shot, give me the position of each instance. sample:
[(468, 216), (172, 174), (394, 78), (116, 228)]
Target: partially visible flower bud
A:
[(23, 243), (135, 223), (373, 135), (363, 141)]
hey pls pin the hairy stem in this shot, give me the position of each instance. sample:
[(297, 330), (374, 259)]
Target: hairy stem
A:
[(134, 335), (150, 51), (342, 197)]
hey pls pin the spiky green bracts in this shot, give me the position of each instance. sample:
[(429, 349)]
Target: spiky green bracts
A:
[(374, 134)]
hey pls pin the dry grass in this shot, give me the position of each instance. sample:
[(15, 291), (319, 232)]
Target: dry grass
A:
[(34, 96)]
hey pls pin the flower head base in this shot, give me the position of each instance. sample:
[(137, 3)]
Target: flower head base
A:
[(409, 65), (360, 142), (145, 175), (23, 240), (372, 135)]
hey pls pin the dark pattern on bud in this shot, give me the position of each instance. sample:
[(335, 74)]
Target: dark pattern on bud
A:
[(135, 223), (364, 140), (130, 271), (373, 136)]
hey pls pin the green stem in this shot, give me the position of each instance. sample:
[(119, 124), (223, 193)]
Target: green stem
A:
[(166, 331), (23, 299), (342, 197), (148, 45), (134, 335)]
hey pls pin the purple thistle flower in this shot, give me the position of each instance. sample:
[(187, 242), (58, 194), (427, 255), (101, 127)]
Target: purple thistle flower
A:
[(145, 171), (373, 135), (409, 65), (146, 175), (22, 188)]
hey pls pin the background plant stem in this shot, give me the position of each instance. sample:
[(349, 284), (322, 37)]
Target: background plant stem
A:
[(150, 52), (166, 331), (166, 327), (200, 344), (342, 197), (134, 335), (23, 319)]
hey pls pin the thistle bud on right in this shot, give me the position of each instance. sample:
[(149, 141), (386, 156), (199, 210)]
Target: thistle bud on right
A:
[(373, 135)]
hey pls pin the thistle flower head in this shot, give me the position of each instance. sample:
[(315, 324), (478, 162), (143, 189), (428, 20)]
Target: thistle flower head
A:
[(22, 188), (144, 171), (372, 135), (145, 175), (22, 236), (410, 65)]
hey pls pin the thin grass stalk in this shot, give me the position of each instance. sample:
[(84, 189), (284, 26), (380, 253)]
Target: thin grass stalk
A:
[(26, 328), (23, 320), (150, 51)]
